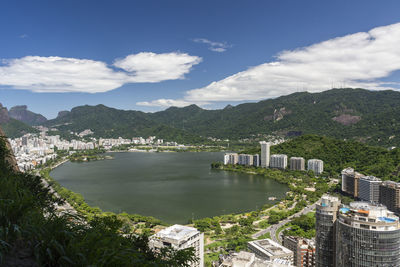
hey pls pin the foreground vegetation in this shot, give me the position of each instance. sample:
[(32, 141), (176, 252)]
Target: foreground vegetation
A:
[(33, 232)]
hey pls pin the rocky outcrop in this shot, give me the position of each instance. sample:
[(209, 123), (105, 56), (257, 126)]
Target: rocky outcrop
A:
[(22, 113), (4, 117), (62, 114), (347, 119), (10, 158)]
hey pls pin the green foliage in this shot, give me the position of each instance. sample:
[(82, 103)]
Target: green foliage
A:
[(30, 226), (14, 128), (113, 123), (296, 114), (338, 155), (87, 155), (303, 226)]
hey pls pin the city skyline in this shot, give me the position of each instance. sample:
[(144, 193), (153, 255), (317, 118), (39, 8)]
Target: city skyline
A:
[(137, 56)]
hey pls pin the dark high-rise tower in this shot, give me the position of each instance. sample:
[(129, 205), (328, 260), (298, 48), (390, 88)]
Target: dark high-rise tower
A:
[(326, 214)]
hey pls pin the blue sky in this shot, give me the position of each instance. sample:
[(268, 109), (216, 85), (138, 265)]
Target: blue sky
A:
[(147, 55)]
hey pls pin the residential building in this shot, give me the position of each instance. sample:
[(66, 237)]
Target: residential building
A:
[(278, 161), (245, 159), (326, 215), (350, 179), (231, 158), (265, 155), (367, 235), (389, 195), (303, 250), (297, 164), (368, 189), (256, 160), (180, 237), (315, 165), (269, 250)]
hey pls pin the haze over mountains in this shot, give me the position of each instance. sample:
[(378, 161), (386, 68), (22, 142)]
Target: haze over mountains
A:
[(367, 116)]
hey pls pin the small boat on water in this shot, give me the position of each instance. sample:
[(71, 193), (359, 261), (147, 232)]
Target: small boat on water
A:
[(271, 198)]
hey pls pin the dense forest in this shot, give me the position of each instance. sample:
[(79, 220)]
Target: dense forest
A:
[(33, 233), (338, 154), (371, 117)]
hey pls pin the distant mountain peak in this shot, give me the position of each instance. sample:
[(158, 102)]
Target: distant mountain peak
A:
[(229, 106), (22, 113), (62, 113)]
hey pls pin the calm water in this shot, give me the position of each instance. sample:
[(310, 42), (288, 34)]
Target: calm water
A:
[(173, 187)]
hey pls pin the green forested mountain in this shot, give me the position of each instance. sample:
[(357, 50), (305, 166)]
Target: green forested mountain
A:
[(12, 127), (15, 128), (372, 117), (111, 122)]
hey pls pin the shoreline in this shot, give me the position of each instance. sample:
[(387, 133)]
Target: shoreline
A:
[(240, 213), (59, 164)]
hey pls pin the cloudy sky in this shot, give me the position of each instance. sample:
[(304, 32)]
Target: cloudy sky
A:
[(149, 55)]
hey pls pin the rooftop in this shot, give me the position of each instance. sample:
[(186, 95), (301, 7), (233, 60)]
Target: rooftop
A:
[(371, 178), (177, 232), (270, 247), (379, 213)]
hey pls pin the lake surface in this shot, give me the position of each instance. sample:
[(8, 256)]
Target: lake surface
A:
[(173, 187)]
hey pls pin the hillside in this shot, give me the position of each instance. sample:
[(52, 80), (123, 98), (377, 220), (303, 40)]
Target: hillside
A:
[(110, 122), (12, 127), (22, 113), (369, 116), (33, 233), (372, 117), (339, 154)]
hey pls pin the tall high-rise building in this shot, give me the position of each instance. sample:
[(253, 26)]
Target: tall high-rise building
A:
[(180, 237), (297, 164), (315, 165), (278, 161), (389, 195), (350, 180), (326, 215), (367, 235), (368, 189), (265, 155)]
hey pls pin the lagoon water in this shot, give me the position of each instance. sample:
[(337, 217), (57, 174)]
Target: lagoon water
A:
[(173, 187)]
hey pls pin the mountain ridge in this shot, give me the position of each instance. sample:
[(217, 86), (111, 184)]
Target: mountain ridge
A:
[(368, 116)]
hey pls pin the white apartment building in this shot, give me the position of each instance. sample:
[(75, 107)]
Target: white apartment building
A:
[(231, 158), (315, 165), (245, 159), (265, 155), (278, 161), (180, 237)]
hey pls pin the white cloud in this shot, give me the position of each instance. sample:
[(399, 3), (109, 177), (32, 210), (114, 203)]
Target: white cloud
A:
[(166, 103), (356, 60), (151, 67), (213, 46), (59, 74)]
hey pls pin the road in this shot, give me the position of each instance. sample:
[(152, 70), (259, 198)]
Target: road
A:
[(273, 228)]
